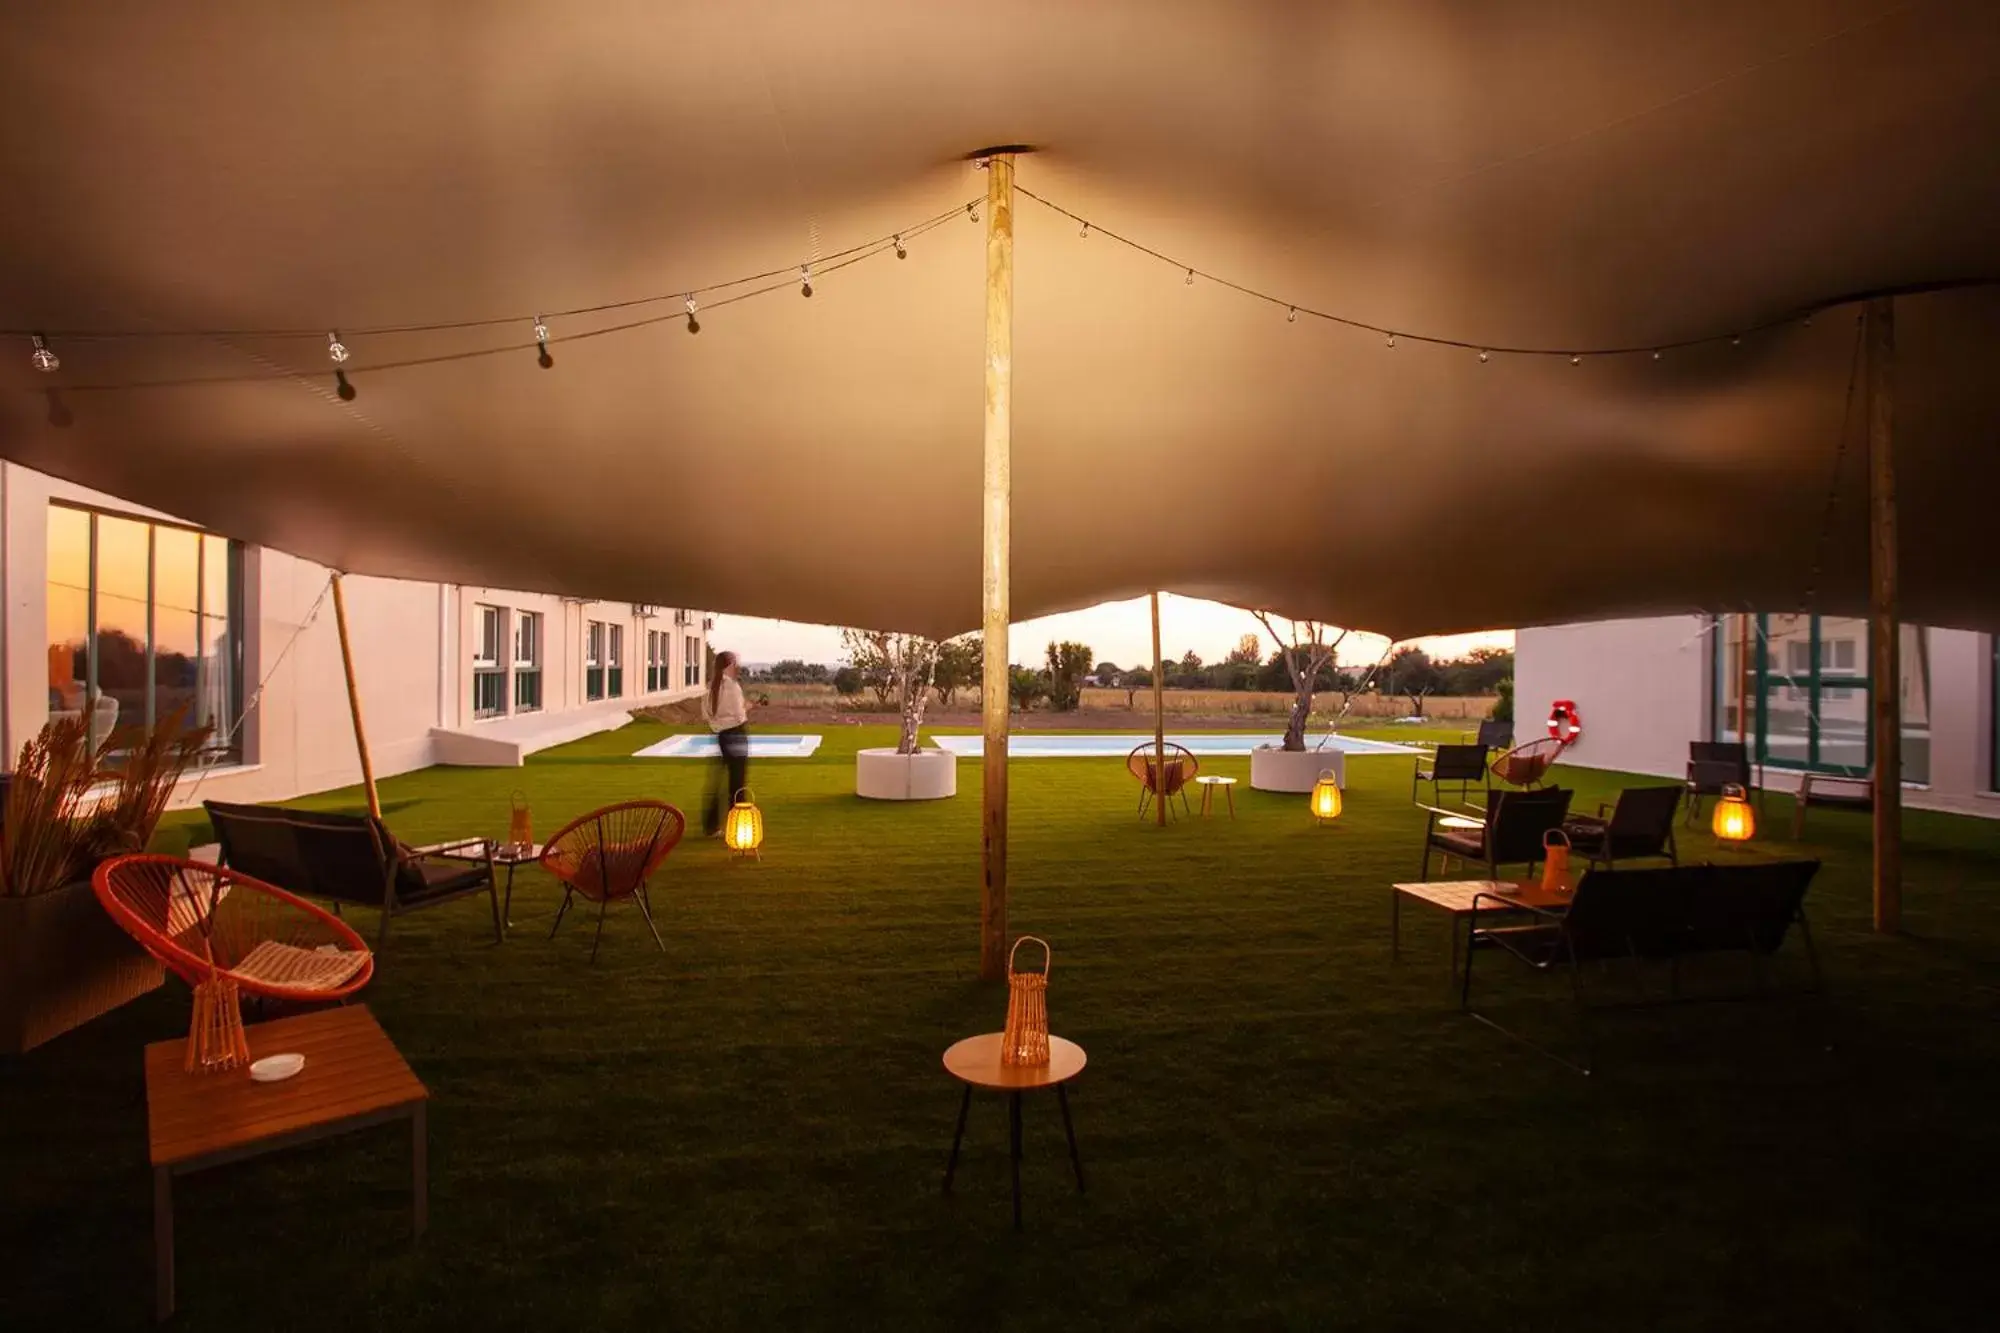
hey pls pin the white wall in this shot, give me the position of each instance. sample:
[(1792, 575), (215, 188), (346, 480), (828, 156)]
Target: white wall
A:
[(1641, 687), (1644, 689), (412, 645)]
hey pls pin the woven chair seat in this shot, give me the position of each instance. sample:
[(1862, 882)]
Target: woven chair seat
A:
[(325, 968)]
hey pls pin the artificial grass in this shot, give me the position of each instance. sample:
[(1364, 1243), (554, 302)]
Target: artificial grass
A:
[(1281, 1128)]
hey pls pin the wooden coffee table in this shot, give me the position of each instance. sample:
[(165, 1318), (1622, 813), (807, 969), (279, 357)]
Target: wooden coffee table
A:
[(353, 1077), (975, 1062), (1455, 897)]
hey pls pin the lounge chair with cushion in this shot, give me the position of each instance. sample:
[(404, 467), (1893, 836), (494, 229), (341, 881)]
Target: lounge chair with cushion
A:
[(1640, 825), (1162, 781), (351, 859), (1657, 915), (1516, 824)]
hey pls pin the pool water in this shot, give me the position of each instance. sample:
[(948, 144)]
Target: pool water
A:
[(1054, 745), (704, 747)]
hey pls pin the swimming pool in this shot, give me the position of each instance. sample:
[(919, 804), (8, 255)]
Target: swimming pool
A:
[(1051, 745), (704, 747)]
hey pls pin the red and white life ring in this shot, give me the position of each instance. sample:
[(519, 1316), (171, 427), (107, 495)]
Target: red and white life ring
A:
[(1565, 723)]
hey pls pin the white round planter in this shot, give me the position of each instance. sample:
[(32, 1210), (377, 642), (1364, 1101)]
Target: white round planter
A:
[(1295, 770), (884, 775)]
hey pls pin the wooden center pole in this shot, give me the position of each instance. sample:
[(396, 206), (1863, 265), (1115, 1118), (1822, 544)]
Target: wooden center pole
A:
[(1885, 695), (998, 510), (354, 699), (1159, 720)]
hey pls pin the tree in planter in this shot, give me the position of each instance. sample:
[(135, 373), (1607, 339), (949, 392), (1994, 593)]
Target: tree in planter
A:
[(1069, 662), (960, 663), (1413, 675), (907, 664), (1307, 651)]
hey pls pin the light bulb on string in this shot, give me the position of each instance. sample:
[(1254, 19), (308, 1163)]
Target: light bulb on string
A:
[(1084, 232), (1575, 360), (542, 357), (42, 358), (1391, 342), (336, 351), (1291, 314), (1736, 340), (1190, 277), (972, 210), (805, 280), (694, 325), (1656, 354), (901, 253), (342, 387), (1483, 357)]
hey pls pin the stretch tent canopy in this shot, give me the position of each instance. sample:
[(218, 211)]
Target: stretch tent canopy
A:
[(1512, 173)]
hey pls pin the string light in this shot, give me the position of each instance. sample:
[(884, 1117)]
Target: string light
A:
[(1736, 340), (42, 358), (1190, 278), (805, 280), (336, 351), (1291, 314), (694, 325), (1656, 354), (972, 210), (901, 253), (1575, 360), (342, 387), (1392, 340), (1483, 358), (1084, 234), (542, 357)]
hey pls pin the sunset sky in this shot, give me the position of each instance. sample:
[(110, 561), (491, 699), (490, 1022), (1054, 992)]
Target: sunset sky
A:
[(1118, 632)]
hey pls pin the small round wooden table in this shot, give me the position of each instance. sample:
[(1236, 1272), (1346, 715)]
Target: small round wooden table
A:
[(1208, 783), (975, 1062)]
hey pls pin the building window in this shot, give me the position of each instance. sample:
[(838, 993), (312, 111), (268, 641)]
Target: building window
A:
[(615, 662), (656, 666), (489, 674), (593, 659), (145, 625), (1806, 681), (527, 661)]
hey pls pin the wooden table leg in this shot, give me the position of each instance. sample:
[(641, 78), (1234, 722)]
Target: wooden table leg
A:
[(1230, 793), (1014, 1134), (1075, 1159), (1207, 798), (163, 1243), (507, 912), (951, 1163), (420, 1173)]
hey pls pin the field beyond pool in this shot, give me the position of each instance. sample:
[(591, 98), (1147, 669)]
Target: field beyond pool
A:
[(1282, 1128)]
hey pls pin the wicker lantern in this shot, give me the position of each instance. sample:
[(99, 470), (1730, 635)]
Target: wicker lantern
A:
[(743, 830), (1734, 820), (1326, 797), (520, 827), (1025, 1041), (1555, 861)]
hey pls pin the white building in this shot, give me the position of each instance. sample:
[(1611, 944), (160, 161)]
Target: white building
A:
[(132, 614), (1645, 688)]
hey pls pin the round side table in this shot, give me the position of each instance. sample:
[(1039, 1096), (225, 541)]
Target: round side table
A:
[(975, 1062), (1208, 784)]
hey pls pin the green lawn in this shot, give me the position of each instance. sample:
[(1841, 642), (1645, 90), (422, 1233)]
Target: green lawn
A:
[(1282, 1128)]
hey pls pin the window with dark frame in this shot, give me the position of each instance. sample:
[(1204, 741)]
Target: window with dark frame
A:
[(527, 661), (593, 659), (489, 676)]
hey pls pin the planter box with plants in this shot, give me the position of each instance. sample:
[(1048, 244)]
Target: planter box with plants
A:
[(1309, 651), (69, 806), (907, 665)]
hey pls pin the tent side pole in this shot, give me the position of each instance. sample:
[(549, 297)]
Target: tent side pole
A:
[(1885, 694), (354, 699), (997, 540), (1159, 719)]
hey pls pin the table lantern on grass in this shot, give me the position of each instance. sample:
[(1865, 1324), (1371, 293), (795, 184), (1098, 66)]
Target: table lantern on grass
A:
[(1555, 861), (1326, 797), (743, 830), (1026, 1039), (1734, 820), (520, 828)]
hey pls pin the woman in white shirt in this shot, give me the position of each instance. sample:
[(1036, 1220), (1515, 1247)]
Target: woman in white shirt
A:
[(727, 716)]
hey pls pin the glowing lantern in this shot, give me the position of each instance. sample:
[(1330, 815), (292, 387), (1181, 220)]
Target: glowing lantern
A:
[(1326, 797), (1734, 821), (743, 830)]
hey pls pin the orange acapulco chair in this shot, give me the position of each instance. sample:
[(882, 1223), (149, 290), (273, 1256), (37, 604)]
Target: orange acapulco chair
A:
[(1526, 765), (229, 936), (610, 854), (1159, 781)]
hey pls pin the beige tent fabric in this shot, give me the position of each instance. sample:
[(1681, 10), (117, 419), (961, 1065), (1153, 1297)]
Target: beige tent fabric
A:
[(1520, 171)]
